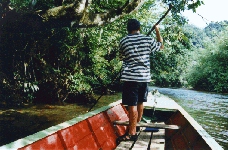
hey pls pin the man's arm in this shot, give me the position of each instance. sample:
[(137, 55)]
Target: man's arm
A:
[(158, 35)]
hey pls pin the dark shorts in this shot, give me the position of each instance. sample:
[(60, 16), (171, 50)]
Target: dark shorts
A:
[(134, 92)]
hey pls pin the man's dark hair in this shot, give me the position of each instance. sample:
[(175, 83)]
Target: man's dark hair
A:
[(132, 25)]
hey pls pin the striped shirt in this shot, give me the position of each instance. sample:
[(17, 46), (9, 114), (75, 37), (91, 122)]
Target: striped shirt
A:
[(135, 52)]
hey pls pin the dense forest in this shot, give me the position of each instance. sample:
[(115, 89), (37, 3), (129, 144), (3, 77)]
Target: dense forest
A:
[(67, 50)]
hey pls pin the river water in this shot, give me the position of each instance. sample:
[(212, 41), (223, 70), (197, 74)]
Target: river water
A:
[(208, 109)]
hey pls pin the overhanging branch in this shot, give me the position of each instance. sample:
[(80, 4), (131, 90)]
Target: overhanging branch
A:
[(166, 13), (79, 14)]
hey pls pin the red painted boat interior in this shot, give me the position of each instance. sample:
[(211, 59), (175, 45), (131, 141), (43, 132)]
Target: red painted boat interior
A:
[(185, 138), (96, 132)]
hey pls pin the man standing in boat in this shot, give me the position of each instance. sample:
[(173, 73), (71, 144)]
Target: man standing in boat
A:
[(135, 51)]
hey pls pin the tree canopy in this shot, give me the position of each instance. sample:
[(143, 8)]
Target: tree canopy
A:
[(87, 13), (56, 50), (207, 68)]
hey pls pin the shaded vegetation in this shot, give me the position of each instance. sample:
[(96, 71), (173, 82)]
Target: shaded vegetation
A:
[(65, 59), (209, 64)]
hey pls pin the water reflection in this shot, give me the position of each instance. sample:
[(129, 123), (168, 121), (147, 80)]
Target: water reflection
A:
[(208, 109)]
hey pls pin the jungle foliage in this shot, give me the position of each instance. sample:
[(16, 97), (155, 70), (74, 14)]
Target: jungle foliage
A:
[(55, 51), (208, 66)]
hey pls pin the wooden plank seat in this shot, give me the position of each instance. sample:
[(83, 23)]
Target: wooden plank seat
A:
[(146, 141), (152, 125)]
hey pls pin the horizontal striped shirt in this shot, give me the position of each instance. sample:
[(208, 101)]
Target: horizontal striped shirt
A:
[(135, 52)]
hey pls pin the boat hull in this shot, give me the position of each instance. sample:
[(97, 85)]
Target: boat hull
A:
[(95, 130)]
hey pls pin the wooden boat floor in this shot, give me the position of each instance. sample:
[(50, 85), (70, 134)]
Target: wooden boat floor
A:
[(146, 141)]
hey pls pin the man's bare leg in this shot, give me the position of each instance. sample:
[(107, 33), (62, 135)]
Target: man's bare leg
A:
[(133, 115), (140, 111)]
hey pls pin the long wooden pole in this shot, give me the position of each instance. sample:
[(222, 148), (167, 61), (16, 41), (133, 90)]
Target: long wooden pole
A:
[(119, 72), (170, 7)]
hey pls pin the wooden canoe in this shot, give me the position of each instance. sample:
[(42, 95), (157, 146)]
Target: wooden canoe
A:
[(96, 130)]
